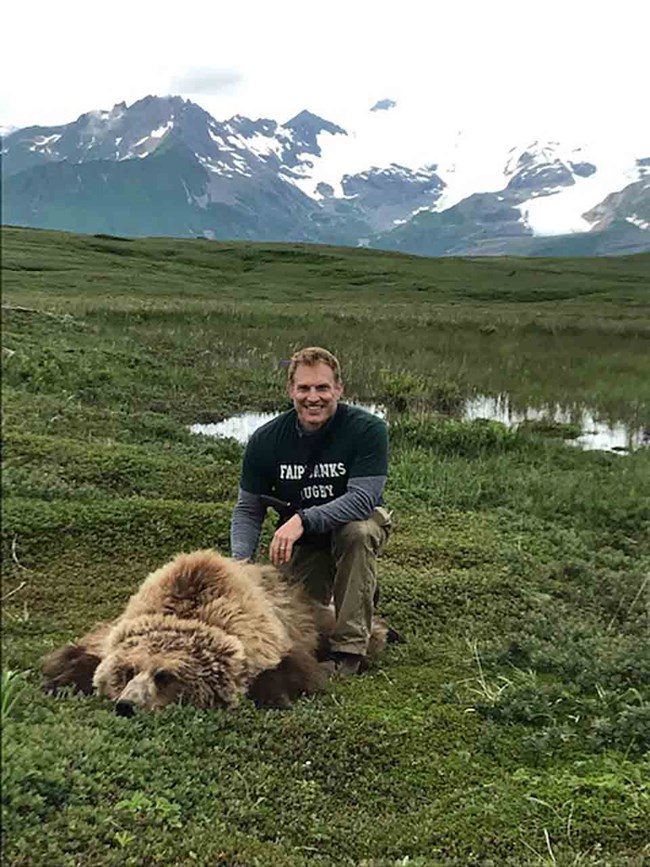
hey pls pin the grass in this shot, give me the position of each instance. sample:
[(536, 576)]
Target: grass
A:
[(11, 688), (511, 729)]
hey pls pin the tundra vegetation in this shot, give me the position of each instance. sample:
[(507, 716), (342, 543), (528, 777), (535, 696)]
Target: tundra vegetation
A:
[(512, 728)]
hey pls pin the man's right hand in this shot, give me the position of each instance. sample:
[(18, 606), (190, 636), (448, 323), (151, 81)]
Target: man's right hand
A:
[(284, 539)]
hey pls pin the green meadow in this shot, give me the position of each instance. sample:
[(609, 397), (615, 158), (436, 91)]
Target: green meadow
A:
[(512, 728)]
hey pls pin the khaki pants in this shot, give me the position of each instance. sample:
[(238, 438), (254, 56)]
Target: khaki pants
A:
[(345, 569)]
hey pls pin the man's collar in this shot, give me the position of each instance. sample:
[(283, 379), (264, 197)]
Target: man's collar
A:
[(312, 433)]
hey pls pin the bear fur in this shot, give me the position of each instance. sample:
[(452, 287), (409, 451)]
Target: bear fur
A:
[(205, 630)]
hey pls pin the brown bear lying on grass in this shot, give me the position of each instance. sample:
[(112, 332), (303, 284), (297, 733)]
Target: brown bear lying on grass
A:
[(204, 630)]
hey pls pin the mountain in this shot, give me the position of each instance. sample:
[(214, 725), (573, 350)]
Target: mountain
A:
[(540, 183), (165, 166), (631, 204)]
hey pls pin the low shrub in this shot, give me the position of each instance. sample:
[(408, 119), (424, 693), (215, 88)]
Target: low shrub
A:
[(445, 436)]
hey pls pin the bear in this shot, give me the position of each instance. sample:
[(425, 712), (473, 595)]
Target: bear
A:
[(205, 630)]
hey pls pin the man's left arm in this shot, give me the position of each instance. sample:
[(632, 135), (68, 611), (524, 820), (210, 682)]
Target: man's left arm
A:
[(366, 482), (356, 504)]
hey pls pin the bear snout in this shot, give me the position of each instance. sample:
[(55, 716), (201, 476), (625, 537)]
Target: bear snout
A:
[(140, 693), (125, 708)]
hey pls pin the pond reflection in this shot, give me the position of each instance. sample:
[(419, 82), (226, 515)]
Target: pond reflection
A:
[(241, 427), (594, 434)]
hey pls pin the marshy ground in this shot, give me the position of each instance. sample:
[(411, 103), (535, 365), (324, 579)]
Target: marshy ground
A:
[(512, 728)]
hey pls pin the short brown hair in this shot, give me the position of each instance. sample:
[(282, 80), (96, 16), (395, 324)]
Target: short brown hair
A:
[(311, 356)]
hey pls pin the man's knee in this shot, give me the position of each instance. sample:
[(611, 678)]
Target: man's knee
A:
[(359, 534)]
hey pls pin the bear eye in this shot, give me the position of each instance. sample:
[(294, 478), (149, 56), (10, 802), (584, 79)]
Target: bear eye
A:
[(163, 677), (128, 673)]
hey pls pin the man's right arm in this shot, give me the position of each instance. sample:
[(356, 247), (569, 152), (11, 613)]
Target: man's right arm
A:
[(246, 525)]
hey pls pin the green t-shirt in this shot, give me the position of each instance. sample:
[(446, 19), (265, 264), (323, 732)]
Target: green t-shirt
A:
[(354, 445)]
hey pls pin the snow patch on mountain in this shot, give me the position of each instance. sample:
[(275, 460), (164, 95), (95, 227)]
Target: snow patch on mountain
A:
[(638, 222), (106, 115), (44, 140), (537, 155), (162, 130), (263, 145), (313, 170), (561, 211), (44, 143), (468, 165)]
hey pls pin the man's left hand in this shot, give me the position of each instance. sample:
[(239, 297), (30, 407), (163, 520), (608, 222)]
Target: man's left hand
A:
[(284, 539)]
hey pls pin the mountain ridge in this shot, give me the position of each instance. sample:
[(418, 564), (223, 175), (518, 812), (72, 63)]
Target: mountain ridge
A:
[(262, 180)]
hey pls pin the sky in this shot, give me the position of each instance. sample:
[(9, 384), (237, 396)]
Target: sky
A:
[(497, 69)]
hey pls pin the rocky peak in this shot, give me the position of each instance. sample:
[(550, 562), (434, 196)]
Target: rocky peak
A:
[(582, 169), (306, 127), (383, 105), (542, 168), (247, 128), (300, 137)]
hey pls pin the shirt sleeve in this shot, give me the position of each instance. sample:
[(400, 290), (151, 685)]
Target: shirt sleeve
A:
[(246, 525), (356, 504)]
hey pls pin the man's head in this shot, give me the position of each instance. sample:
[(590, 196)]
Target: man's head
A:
[(314, 385)]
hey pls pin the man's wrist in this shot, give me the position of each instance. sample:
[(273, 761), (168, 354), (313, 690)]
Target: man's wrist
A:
[(303, 518)]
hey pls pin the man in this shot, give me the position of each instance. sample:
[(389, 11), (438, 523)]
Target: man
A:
[(327, 461)]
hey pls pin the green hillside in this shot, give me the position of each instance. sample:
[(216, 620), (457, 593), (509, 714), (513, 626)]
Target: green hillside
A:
[(512, 727), (132, 193)]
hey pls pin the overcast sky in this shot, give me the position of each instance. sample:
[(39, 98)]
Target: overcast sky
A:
[(572, 69)]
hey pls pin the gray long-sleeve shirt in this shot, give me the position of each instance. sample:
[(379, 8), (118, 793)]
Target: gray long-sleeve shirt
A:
[(356, 504)]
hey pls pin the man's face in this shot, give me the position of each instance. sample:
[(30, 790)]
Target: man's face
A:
[(315, 394)]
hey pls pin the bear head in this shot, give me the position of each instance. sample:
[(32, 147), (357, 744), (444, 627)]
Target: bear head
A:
[(156, 660)]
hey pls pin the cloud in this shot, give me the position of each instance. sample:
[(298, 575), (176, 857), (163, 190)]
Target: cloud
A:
[(206, 80)]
